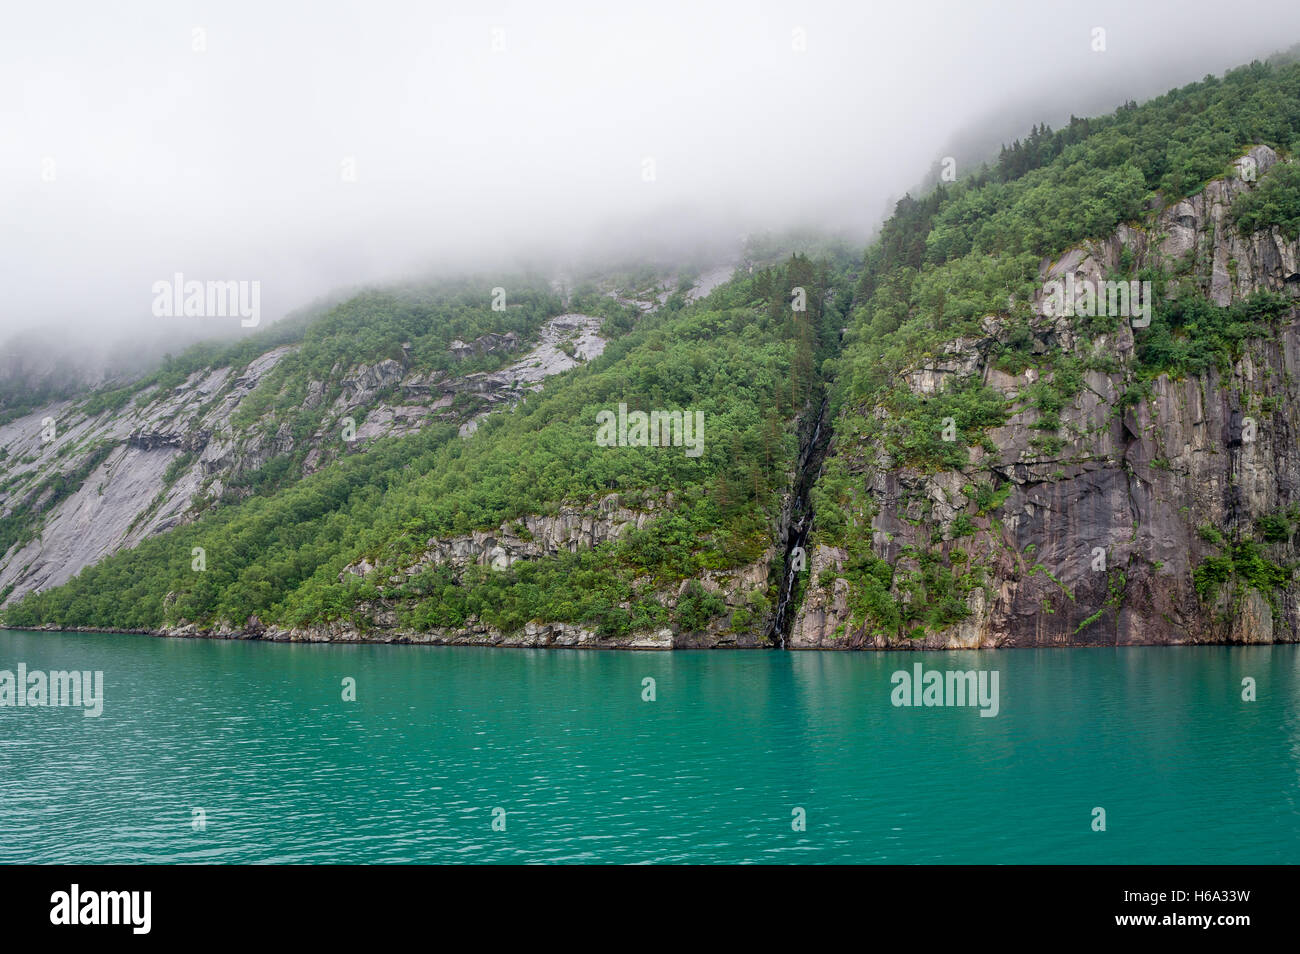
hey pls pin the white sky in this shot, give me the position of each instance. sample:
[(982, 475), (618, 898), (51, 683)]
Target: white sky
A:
[(226, 163)]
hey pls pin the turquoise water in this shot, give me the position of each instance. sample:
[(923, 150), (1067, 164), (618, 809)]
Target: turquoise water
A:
[(259, 737)]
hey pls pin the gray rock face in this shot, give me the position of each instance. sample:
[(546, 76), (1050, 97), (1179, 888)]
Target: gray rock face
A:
[(550, 357), (960, 357), (710, 279), (485, 344), (1097, 541), (364, 384), (536, 536), (123, 498)]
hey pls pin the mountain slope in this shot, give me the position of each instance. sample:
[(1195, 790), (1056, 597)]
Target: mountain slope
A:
[(89, 476), (617, 543), (1000, 470)]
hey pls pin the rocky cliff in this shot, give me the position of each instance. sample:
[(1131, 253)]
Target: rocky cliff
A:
[(1161, 511)]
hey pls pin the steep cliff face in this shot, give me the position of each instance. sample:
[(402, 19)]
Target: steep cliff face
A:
[(1160, 510), (535, 536), (115, 465)]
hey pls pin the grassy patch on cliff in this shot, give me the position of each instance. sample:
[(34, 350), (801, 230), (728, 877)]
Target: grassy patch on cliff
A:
[(1191, 335), (1247, 562), (1275, 202)]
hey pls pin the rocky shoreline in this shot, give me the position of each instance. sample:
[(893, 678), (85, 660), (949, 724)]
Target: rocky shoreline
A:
[(569, 636)]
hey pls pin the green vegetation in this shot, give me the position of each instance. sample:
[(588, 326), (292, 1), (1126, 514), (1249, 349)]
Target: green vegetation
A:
[(939, 429), (1190, 335), (374, 326), (1275, 202), (179, 465), (1247, 563), (958, 253), (743, 358), (962, 251), (1211, 534)]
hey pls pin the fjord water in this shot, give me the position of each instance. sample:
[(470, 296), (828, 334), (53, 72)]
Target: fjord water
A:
[(259, 737)]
